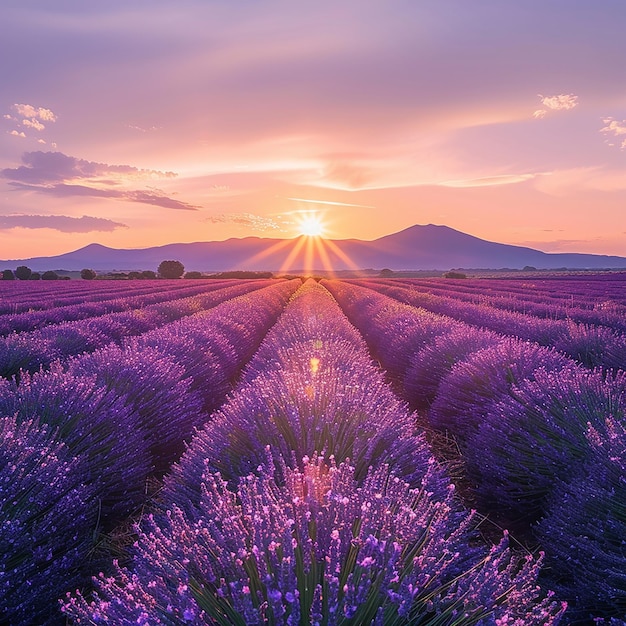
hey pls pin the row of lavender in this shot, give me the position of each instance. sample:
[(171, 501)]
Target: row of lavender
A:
[(308, 498), (542, 438), (30, 351), (560, 303), (593, 345), (16, 298), (81, 441), (101, 304), (569, 291)]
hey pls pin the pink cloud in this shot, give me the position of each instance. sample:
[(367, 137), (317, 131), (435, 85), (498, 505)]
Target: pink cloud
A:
[(560, 102), (61, 223), (60, 175)]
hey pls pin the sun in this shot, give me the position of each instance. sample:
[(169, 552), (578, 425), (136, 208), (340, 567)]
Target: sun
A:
[(311, 225)]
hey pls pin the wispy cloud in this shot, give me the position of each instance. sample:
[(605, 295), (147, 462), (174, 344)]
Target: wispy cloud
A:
[(560, 102), (257, 222), (562, 245), (62, 223), (489, 181), (57, 174), (141, 129), (365, 206), (158, 198), (62, 190)]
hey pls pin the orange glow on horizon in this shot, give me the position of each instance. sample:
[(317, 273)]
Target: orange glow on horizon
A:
[(306, 253)]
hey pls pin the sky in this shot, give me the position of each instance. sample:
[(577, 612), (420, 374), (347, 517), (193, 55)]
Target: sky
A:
[(140, 123)]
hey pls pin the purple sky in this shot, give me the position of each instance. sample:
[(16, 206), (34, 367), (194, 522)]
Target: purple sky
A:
[(135, 124)]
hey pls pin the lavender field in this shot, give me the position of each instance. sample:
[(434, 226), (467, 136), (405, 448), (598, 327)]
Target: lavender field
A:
[(377, 451)]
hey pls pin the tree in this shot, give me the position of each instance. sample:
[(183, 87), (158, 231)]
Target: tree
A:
[(8, 275), (35, 276), (87, 274), (171, 269), (149, 274), (49, 275), (194, 275), (22, 272)]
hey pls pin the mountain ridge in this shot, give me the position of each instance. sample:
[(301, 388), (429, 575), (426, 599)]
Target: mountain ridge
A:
[(417, 247)]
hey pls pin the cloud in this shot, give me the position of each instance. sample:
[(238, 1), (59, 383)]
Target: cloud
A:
[(56, 174), (158, 199), (60, 175), (50, 167), (63, 190), (560, 102), (36, 125), (16, 133), (615, 128), (30, 116), (62, 223), (31, 112), (563, 245), (257, 222), (364, 206), (489, 181), (141, 129)]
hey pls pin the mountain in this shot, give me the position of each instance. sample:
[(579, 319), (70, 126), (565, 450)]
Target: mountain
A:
[(418, 247)]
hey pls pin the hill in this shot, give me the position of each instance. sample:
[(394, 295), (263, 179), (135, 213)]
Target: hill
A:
[(419, 247)]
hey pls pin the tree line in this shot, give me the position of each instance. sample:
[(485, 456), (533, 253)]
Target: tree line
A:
[(167, 269)]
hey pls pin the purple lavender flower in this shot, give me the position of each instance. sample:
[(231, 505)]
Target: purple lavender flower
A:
[(156, 389), (316, 396), (485, 376), (47, 516), (394, 331), (529, 441), (93, 423), (39, 348), (594, 346), (584, 530), (434, 361), (322, 548)]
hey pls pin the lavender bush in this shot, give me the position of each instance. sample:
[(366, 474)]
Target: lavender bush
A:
[(591, 344), (529, 441), (485, 376), (212, 346), (393, 331), (584, 530), (433, 362), (594, 346), (95, 424), (321, 549), (157, 389), (349, 414), (47, 515)]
